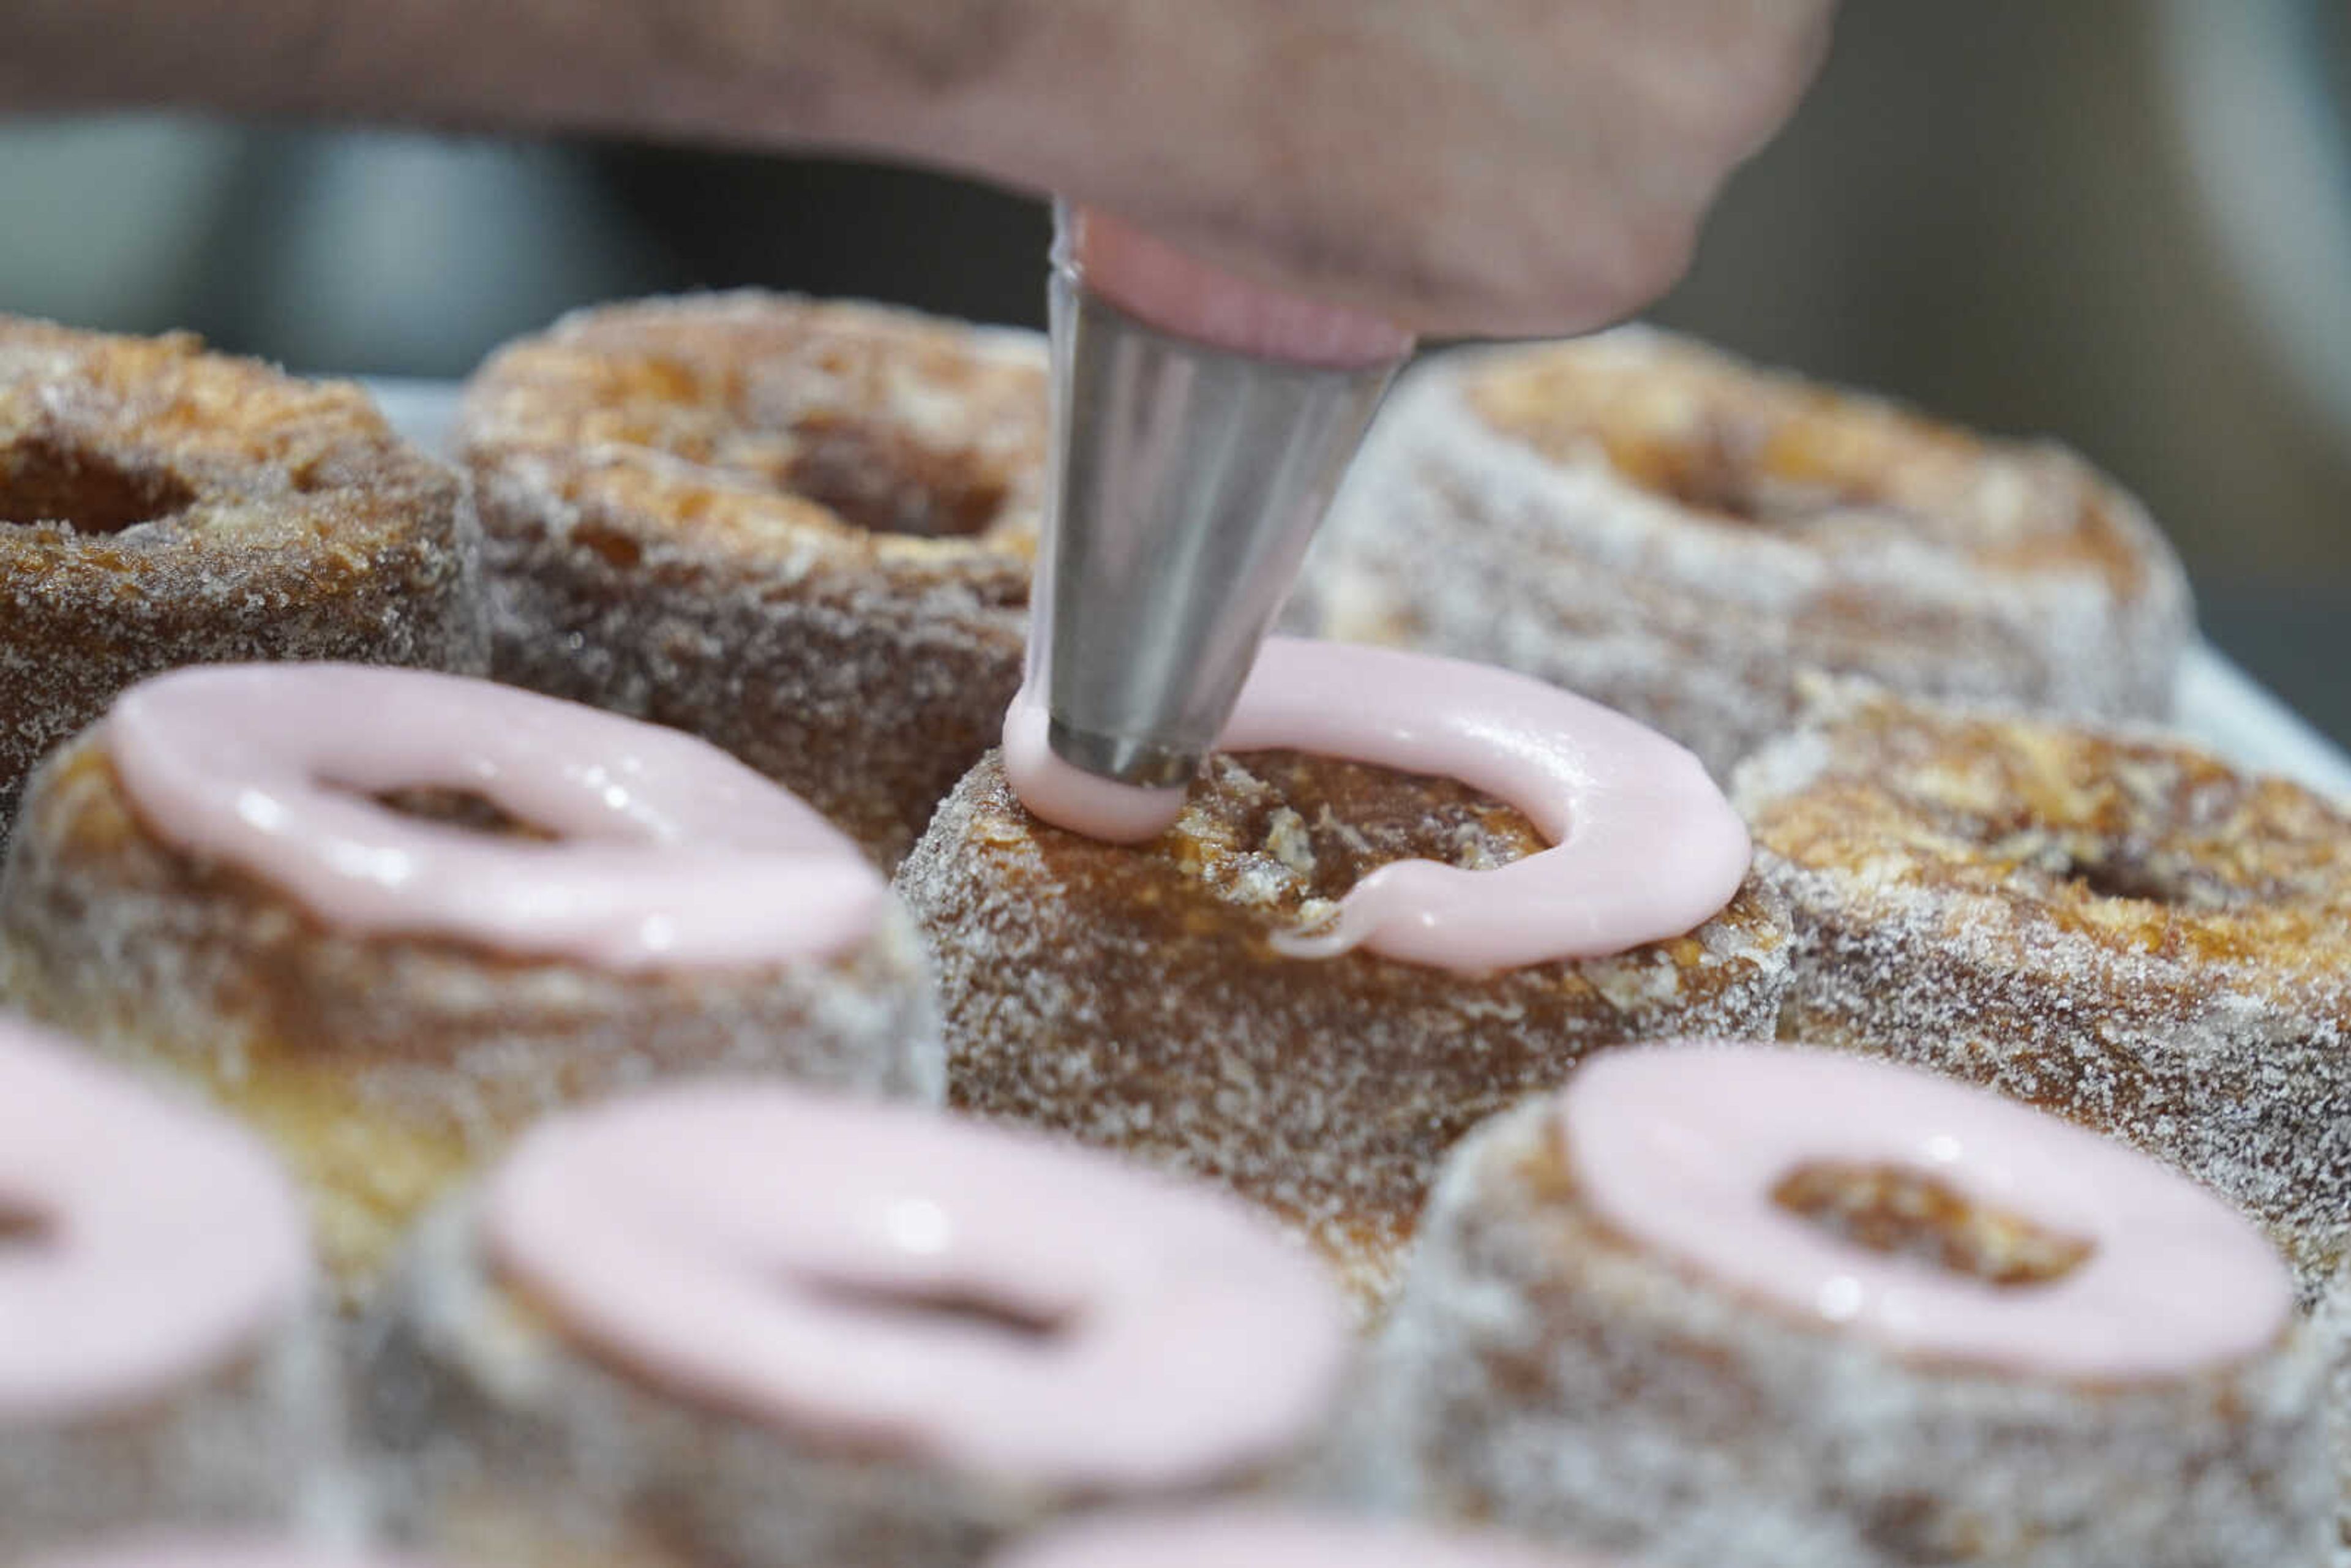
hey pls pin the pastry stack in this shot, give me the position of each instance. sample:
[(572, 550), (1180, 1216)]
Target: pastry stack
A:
[(1702, 1022)]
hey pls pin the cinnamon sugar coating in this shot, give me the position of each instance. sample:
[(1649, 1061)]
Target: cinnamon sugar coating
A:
[(249, 1447), (1545, 1373), (2331, 1320), (1677, 534), (161, 506), (2117, 927), (385, 1068), (507, 1441), (1132, 999), (802, 530), (501, 1444)]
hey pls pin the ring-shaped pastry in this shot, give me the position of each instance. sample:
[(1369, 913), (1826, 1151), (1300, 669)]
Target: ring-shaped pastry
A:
[(802, 530), (1724, 1300), (1438, 888), (848, 1333), (1678, 534), (161, 506), (2120, 928), (391, 916), (160, 1366)]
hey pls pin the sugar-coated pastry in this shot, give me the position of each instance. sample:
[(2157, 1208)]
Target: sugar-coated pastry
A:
[(161, 506), (800, 529), (1674, 533), (197, 1549), (2120, 928), (1721, 1303), (1408, 893), (2331, 1322), (390, 916), (1263, 1537), (160, 1362), (737, 1322)]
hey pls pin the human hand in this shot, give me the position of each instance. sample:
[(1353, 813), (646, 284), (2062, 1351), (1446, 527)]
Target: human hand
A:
[(1502, 167)]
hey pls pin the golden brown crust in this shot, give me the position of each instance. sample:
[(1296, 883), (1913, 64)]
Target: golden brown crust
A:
[(802, 530), (2138, 843), (1733, 445), (1133, 997), (2120, 928), (888, 426), (383, 1068), (159, 506), (1679, 535)]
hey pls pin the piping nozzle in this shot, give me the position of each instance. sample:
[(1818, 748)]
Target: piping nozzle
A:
[(1188, 481)]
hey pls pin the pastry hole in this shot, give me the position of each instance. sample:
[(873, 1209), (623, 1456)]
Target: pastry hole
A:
[(2122, 879), (1731, 474), (1906, 1213), (617, 548), (462, 809), (47, 481), (1783, 457), (1292, 831), (1701, 475), (884, 482), (941, 1307)]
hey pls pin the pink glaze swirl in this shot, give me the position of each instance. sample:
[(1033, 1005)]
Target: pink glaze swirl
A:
[(1682, 1145), (146, 1245), (213, 1551), (1644, 846), (1154, 282), (669, 854), (1245, 1537), (768, 1252)]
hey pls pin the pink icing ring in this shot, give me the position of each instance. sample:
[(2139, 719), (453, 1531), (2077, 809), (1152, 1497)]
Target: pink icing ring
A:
[(720, 1236), (1681, 1146), (1644, 847), (166, 1243), (1240, 1537), (672, 854)]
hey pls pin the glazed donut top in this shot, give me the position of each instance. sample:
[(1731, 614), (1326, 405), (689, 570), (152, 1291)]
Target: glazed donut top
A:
[(120, 451), (765, 420), (961, 1294), (1243, 1537), (668, 854), (1717, 444), (142, 1246), (1644, 846), (2053, 1251), (2142, 845)]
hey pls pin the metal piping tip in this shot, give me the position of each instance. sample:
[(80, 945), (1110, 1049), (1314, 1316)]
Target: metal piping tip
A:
[(1188, 481)]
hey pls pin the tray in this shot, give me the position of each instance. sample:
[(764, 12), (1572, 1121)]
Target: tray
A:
[(2218, 702)]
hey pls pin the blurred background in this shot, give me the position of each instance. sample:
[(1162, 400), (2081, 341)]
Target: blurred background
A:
[(2126, 223)]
